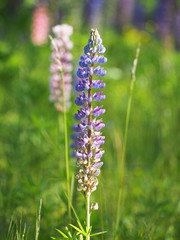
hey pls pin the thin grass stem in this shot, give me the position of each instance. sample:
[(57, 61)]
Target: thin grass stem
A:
[(24, 232), (72, 188), (66, 148), (122, 165), (65, 132), (38, 221)]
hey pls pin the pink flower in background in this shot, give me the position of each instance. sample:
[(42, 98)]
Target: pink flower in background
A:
[(61, 61), (40, 24)]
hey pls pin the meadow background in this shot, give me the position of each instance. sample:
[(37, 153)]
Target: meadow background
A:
[(32, 162)]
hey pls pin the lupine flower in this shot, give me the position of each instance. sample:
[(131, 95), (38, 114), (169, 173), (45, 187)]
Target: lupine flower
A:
[(93, 10), (126, 11), (177, 30), (139, 16), (87, 137), (40, 24), (61, 61), (164, 18)]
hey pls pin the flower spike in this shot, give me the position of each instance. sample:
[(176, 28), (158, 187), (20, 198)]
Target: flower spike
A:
[(61, 62), (88, 138)]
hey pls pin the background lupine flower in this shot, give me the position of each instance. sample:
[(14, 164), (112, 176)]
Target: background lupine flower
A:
[(164, 18), (87, 137), (177, 30), (61, 61), (125, 13), (139, 17), (93, 10), (40, 24)]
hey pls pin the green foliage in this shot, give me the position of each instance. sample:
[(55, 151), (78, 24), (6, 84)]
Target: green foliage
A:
[(16, 230), (32, 164), (79, 233)]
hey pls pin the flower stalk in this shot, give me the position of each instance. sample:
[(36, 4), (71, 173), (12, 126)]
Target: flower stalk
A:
[(60, 86), (87, 137), (88, 215)]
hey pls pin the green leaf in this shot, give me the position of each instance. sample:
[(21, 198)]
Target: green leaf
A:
[(63, 234), (68, 232), (57, 238), (99, 233), (81, 227), (76, 228)]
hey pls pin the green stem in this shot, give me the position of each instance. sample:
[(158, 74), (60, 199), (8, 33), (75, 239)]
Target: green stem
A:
[(101, 208), (66, 148), (88, 158), (88, 214), (65, 131), (133, 78)]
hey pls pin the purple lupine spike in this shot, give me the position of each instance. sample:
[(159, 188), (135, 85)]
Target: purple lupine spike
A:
[(164, 18), (177, 30), (61, 61), (93, 11), (139, 17), (87, 136)]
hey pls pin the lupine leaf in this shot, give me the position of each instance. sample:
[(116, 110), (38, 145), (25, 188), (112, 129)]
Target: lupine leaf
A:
[(81, 227), (69, 234), (75, 235), (76, 228), (61, 238), (77, 218), (63, 234), (99, 233)]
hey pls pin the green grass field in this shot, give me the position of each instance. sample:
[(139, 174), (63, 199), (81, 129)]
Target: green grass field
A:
[(32, 161)]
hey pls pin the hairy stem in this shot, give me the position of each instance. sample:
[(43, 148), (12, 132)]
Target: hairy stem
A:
[(101, 207), (90, 115), (89, 121), (88, 214), (88, 151)]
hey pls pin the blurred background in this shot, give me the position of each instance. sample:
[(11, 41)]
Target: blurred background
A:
[(32, 163)]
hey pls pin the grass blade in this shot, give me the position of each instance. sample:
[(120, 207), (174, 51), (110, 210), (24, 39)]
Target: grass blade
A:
[(66, 148)]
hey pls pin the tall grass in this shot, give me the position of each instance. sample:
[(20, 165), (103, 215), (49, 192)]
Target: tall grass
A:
[(122, 164), (16, 230)]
